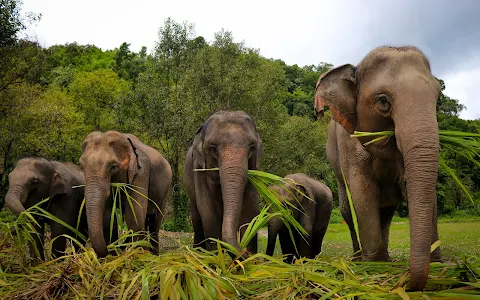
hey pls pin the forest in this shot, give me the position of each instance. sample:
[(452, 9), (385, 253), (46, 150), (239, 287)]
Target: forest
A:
[(52, 97)]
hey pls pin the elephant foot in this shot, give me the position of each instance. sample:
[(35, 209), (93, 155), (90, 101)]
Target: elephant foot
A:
[(436, 257), (357, 258), (376, 257)]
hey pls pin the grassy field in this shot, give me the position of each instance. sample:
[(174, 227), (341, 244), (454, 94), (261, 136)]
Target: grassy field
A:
[(458, 239)]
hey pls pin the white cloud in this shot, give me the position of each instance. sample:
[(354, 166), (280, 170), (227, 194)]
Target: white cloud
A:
[(300, 32), (463, 85)]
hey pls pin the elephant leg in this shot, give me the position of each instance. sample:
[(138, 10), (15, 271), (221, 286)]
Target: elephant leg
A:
[(154, 222), (305, 243), (435, 255), (274, 227), (347, 216), (136, 218), (159, 191), (386, 216), (59, 241), (287, 245), (37, 244), (212, 227), (317, 239), (365, 198), (151, 224), (198, 233), (210, 207)]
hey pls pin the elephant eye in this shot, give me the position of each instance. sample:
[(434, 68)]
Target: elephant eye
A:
[(113, 167), (35, 180), (382, 103)]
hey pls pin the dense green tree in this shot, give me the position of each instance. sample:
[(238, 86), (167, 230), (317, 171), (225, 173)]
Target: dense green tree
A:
[(97, 94), (12, 22), (160, 105), (51, 98)]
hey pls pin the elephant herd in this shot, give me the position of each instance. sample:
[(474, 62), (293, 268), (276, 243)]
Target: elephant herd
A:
[(391, 89)]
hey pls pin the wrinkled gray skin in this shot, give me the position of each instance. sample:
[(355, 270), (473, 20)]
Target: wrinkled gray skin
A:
[(35, 179), (222, 201), (391, 89), (114, 157), (314, 219)]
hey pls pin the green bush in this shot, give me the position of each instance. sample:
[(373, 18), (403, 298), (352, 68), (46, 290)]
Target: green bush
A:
[(336, 216)]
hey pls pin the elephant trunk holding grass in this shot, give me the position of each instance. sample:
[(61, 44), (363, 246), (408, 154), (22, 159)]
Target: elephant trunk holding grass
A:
[(391, 89), (35, 179), (313, 214), (223, 201), (115, 157)]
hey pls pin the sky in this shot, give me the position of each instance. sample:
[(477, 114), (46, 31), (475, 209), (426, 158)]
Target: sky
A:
[(299, 32)]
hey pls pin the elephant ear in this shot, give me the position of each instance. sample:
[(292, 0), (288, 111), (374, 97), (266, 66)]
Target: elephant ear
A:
[(337, 89), (255, 160), (57, 185), (303, 190), (134, 162), (197, 151)]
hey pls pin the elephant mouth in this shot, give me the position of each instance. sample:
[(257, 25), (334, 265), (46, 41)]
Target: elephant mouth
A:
[(31, 193)]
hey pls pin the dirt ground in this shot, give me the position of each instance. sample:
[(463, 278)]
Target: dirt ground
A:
[(173, 240)]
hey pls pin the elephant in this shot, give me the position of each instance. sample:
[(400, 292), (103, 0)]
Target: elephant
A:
[(116, 157), (313, 214), (223, 202), (34, 179), (391, 89)]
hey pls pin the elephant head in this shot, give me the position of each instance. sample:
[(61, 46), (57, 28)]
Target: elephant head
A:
[(107, 157), (393, 89), (32, 180), (229, 141)]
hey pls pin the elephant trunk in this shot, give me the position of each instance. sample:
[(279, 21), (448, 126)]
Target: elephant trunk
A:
[(418, 141), (15, 199), (233, 165), (96, 193)]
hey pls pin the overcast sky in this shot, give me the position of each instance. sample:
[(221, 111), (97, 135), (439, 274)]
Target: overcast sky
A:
[(298, 32)]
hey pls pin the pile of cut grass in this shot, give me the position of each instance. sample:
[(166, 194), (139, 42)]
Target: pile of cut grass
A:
[(197, 274), (187, 273)]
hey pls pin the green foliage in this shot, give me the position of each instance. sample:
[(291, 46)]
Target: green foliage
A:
[(97, 94), (336, 216), (301, 85), (300, 146), (12, 22), (51, 98)]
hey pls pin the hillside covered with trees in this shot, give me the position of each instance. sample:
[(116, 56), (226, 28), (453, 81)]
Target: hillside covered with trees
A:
[(51, 98)]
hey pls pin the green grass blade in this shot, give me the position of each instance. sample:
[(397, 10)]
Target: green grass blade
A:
[(352, 210)]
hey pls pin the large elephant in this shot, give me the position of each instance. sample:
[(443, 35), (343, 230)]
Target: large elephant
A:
[(34, 179), (222, 202), (313, 214), (391, 89), (115, 157)]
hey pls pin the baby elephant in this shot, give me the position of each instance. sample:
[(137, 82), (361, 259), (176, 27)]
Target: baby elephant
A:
[(314, 219), (34, 179)]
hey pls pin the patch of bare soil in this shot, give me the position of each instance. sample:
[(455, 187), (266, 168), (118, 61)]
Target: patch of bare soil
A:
[(173, 240)]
